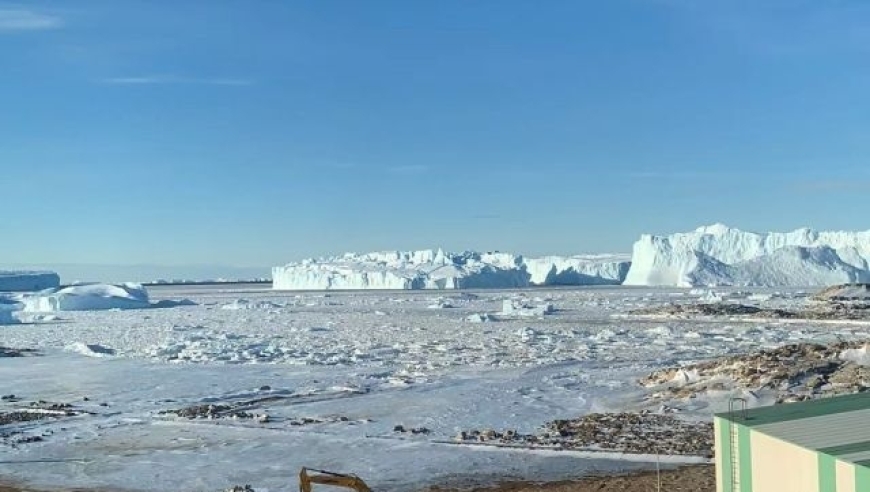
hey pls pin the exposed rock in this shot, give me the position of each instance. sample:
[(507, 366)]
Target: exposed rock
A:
[(845, 292), (240, 488), (209, 412), (642, 433), (14, 352), (794, 372), (827, 311)]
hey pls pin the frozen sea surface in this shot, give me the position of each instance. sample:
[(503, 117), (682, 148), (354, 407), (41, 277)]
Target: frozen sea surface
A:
[(337, 372)]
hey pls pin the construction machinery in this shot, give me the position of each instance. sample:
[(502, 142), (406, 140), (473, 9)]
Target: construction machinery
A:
[(308, 476)]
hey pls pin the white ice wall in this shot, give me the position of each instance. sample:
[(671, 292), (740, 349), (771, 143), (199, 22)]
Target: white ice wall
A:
[(27, 281), (436, 269), (719, 254)]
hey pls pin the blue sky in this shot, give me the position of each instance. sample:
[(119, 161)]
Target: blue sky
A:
[(255, 133)]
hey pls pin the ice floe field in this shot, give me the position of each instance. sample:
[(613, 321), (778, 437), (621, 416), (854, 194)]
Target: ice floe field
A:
[(405, 388)]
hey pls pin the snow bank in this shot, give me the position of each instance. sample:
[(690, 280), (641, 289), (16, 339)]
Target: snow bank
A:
[(26, 281), (720, 255), (860, 356), (436, 269), (89, 297)]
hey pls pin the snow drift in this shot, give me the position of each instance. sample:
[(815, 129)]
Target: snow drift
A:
[(720, 255), (88, 297), (27, 281), (436, 269)]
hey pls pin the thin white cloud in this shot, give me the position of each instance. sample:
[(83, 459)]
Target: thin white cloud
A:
[(27, 20), (174, 79)]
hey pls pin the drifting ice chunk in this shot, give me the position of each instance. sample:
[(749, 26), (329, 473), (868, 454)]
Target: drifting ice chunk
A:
[(720, 255), (442, 304), (244, 305), (519, 307), (91, 350), (90, 297), (27, 281), (710, 296)]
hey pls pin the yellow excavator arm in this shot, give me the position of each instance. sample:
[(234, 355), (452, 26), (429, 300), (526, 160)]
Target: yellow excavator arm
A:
[(308, 476)]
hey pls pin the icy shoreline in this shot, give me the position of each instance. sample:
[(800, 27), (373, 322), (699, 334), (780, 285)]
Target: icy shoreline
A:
[(325, 379)]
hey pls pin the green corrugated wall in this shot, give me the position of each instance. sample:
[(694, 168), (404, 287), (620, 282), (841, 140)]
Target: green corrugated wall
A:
[(862, 478), (725, 458), (744, 450), (827, 473)]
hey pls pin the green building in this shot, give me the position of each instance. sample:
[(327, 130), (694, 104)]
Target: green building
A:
[(818, 445)]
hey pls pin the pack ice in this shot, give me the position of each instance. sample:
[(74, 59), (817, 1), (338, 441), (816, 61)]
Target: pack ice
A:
[(721, 255), (436, 269), (23, 281)]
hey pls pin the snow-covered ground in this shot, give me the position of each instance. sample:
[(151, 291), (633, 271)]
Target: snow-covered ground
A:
[(336, 372)]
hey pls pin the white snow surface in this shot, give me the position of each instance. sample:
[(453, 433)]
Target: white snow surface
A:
[(24, 281), (436, 269), (88, 297), (721, 255), (378, 359), (860, 356)]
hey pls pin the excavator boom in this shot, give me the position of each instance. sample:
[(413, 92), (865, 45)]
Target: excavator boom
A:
[(308, 476)]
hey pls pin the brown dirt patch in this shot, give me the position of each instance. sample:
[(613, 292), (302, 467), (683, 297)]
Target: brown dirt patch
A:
[(700, 478)]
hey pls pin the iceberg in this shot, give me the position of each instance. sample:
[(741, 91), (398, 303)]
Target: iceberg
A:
[(436, 269), (87, 297), (721, 255), (7, 308), (27, 281)]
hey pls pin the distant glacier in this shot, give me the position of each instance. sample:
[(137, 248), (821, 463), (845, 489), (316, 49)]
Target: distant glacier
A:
[(714, 255), (437, 269)]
